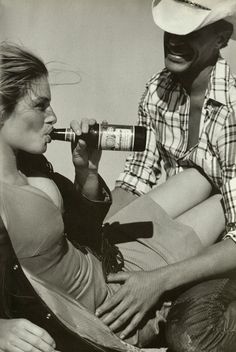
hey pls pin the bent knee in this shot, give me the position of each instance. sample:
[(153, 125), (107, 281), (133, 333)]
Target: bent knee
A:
[(203, 319)]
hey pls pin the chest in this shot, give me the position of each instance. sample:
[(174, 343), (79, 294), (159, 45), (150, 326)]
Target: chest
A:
[(194, 119), (33, 222), (49, 188), (182, 123)]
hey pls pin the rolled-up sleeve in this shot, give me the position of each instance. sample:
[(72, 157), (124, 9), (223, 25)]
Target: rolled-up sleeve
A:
[(143, 169), (227, 153)]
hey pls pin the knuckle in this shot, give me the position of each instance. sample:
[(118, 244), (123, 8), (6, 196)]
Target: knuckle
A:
[(134, 301), (40, 334), (121, 320), (113, 315), (36, 340), (28, 348), (133, 324)]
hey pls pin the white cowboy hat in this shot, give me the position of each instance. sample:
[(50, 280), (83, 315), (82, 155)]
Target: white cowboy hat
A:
[(185, 16)]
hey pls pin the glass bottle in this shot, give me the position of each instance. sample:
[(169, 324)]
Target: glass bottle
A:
[(107, 137)]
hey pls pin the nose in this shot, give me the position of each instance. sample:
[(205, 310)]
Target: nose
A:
[(175, 39), (50, 116)]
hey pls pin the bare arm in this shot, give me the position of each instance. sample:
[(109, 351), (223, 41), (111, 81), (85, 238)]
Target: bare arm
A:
[(86, 161), (216, 260), (142, 290)]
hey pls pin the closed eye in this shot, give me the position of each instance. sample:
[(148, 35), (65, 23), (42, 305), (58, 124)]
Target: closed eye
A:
[(42, 104)]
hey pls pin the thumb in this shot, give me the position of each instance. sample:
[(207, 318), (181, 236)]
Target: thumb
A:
[(118, 277)]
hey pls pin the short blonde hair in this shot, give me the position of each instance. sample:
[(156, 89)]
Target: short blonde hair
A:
[(18, 69)]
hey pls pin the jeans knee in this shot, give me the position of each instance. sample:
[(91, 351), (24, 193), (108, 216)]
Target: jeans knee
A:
[(203, 319)]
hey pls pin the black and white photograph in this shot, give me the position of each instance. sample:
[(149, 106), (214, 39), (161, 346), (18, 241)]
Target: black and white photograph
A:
[(117, 176)]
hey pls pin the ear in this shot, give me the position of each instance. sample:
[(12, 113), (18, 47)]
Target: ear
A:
[(223, 38), (2, 116), (1, 121)]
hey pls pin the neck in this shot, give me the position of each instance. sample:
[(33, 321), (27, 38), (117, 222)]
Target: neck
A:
[(197, 82), (8, 164)]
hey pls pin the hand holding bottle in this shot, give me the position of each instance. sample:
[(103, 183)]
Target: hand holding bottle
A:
[(86, 160), (83, 155)]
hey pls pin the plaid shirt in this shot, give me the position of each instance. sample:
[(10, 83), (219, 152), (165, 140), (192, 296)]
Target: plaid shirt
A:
[(164, 110)]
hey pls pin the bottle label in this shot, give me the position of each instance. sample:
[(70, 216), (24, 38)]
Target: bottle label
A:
[(116, 137)]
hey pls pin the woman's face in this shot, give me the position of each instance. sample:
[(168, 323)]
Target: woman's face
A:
[(29, 125)]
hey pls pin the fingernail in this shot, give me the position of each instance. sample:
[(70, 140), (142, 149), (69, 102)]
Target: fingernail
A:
[(122, 336), (78, 132), (97, 312)]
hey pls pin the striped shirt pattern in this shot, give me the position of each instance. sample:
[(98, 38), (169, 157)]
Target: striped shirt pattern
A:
[(164, 110)]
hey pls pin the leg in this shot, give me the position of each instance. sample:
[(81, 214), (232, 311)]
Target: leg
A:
[(181, 192), (204, 318), (120, 198), (206, 219), (178, 194)]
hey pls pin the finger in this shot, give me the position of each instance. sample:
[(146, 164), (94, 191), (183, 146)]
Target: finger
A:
[(92, 122), (84, 125), (25, 346), (123, 318), (35, 341), (114, 316), (132, 325), (118, 277), (36, 330), (80, 146), (110, 303), (75, 125), (12, 349)]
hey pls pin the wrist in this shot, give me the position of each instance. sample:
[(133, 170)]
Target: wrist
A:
[(82, 175), (87, 183), (165, 275)]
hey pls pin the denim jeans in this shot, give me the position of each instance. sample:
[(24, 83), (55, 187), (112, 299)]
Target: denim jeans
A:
[(203, 319)]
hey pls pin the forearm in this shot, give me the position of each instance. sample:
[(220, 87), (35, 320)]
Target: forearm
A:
[(87, 183), (216, 260)]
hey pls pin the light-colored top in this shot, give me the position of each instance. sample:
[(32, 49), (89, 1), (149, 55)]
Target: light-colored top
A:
[(36, 229), (59, 272), (164, 110)]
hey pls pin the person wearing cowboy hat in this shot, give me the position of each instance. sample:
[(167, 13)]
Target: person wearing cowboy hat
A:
[(189, 111)]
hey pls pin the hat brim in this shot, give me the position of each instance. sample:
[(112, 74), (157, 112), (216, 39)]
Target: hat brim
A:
[(178, 18)]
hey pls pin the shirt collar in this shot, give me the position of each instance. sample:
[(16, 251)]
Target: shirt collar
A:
[(221, 81)]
